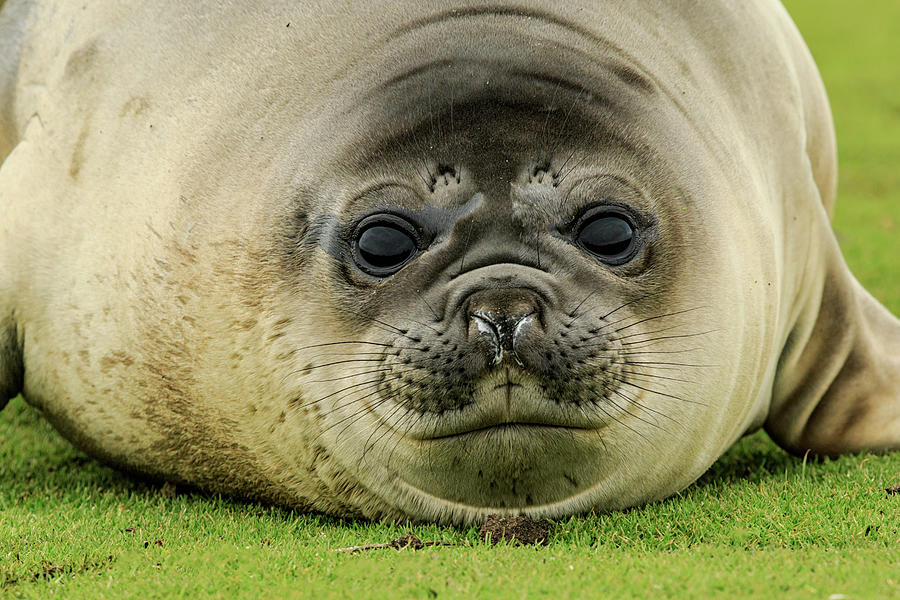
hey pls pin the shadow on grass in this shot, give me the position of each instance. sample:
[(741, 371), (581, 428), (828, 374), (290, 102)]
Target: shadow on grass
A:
[(754, 459)]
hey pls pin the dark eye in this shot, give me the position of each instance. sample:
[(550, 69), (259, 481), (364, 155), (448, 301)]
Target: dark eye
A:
[(384, 244), (608, 236)]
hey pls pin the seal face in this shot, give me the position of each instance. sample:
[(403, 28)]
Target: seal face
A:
[(430, 262), (506, 321)]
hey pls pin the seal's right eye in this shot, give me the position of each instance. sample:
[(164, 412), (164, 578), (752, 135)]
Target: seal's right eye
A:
[(608, 235), (384, 244)]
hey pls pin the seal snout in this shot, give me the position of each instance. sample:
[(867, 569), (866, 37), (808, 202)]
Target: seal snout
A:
[(502, 316)]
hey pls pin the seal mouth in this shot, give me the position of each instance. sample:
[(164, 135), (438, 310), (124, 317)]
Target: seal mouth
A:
[(510, 428), (507, 387)]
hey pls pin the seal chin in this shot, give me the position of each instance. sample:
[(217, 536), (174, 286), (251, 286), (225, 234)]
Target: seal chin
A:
[(509, 451)]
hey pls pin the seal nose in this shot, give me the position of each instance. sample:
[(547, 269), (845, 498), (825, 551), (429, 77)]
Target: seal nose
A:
[(502, 315)]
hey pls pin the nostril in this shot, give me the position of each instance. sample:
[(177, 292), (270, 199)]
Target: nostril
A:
[(502, 329), (487, 326), (520, 326)]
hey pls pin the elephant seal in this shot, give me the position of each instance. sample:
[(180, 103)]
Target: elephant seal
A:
[(429, 260)]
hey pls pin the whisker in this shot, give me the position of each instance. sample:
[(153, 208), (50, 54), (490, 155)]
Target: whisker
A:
[(671, 314), (385, 421), (642, 406), (572, 170), (666, 337), (639, 366), (663, 330), (671, 364), (340, 404), (353, 417), (615, 310), (656, 376), (547, 116), (383, 354), (462, 262), (431, 180), (394, 329), (337, 362), (349, 387), (366, 408), (636, 300), (308, 369), (422, 324), (562, 128), (382, 422), (388, 428), (639, 418), (422, 177), (452, 128), (620, 422), (581, 406), (347, 342), (386, 369), (627, 353), (574, 312), (626, 382), (418, 416), (352, 375), (433, 312), (606, 342), (606, 325)]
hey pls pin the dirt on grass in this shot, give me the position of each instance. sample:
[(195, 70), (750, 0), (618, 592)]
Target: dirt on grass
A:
[(523, 531), (517, 530)]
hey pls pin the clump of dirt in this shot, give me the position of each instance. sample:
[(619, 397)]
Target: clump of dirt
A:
[(407, 541), (49, 571), (518, 530), (524, 531)]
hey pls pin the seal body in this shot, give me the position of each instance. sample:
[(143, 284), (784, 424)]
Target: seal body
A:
[(428, 260)]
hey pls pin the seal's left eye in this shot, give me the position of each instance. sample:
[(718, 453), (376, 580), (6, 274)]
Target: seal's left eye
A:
[(609, 236), (383, 247)]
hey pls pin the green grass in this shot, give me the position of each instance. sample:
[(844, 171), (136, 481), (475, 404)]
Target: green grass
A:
[(760, 523)]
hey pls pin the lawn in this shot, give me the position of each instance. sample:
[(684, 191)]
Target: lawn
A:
[(760, 523)]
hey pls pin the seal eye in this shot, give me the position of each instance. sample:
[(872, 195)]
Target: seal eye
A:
[(383, 245), (608, 236)]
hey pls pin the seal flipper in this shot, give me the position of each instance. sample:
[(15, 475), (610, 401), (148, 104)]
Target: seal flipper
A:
[(11, 370), (838, 383)]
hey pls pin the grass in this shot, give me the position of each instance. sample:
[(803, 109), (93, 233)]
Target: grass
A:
[(760, 523)]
